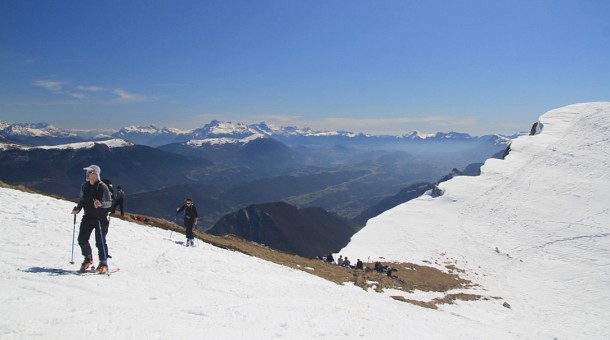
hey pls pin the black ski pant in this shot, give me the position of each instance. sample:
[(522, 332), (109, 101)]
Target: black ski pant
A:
[(189, 229), (118, 203), (88, 225)]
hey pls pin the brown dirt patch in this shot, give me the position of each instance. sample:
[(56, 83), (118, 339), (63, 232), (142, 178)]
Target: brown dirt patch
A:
[(408, 277)]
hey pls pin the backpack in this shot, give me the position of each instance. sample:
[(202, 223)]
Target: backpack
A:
[(111, 189)]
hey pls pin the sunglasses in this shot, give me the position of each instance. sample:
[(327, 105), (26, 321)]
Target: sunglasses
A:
[(189, 203), (91, 172)]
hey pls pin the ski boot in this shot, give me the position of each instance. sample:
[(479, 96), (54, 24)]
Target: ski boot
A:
[(102, 268), (88, 262)]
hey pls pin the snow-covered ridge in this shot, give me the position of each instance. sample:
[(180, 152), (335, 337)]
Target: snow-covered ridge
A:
[(10, 146), (417, 135), (228, 128), (111, 143), (35, 130), (151, 129), (311, 133), (533, 228), (223, 140)]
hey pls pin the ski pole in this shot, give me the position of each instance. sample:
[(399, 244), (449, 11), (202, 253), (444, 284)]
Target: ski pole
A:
[(103, 243), (195, 227), (73, 232), (172, 231)]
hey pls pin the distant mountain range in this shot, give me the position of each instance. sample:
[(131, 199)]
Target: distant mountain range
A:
[(227, 167), (216, 132)]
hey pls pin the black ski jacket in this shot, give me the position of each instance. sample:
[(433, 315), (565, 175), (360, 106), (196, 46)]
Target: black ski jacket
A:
[(91, 192), (190, 213)]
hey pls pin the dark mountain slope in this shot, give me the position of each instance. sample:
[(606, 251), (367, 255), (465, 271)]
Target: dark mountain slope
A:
[(163, 203), (307, 232), (60, 171)]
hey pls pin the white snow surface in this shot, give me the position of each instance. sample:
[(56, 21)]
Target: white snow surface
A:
[(111, 143), (36, 129), (532, 230), (223, 140), (151, 129)]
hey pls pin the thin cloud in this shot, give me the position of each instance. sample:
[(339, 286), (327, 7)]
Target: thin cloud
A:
[(126, 97), (50, 85), (92, 92), (76, 95), (90, 88), (58, 87)]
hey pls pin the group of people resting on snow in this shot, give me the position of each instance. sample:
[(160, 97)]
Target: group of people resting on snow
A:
[(345, 262), (387, 269), (342, 262)]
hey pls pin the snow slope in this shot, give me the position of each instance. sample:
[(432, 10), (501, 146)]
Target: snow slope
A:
[(545, 209), (532, 229), (167, 291)]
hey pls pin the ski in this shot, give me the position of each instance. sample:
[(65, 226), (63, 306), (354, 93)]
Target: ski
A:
[(61, 271), (185, 244), (108, 273)]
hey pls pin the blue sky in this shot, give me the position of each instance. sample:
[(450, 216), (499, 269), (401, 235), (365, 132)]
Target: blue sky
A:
[(382, 67)]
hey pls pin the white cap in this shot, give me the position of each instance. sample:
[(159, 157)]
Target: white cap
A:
[(95, 169)]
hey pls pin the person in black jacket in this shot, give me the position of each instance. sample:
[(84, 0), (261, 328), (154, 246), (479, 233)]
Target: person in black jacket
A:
[(95, 201), (118, 200), (190, 218)]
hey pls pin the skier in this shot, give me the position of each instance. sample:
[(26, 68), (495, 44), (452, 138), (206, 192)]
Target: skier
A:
[(95, 200), (190, 218), (118, 201)]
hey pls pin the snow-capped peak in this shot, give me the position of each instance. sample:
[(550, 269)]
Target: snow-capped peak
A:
[(217, 129), (151, 129), (111, 143), (36, 130)]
